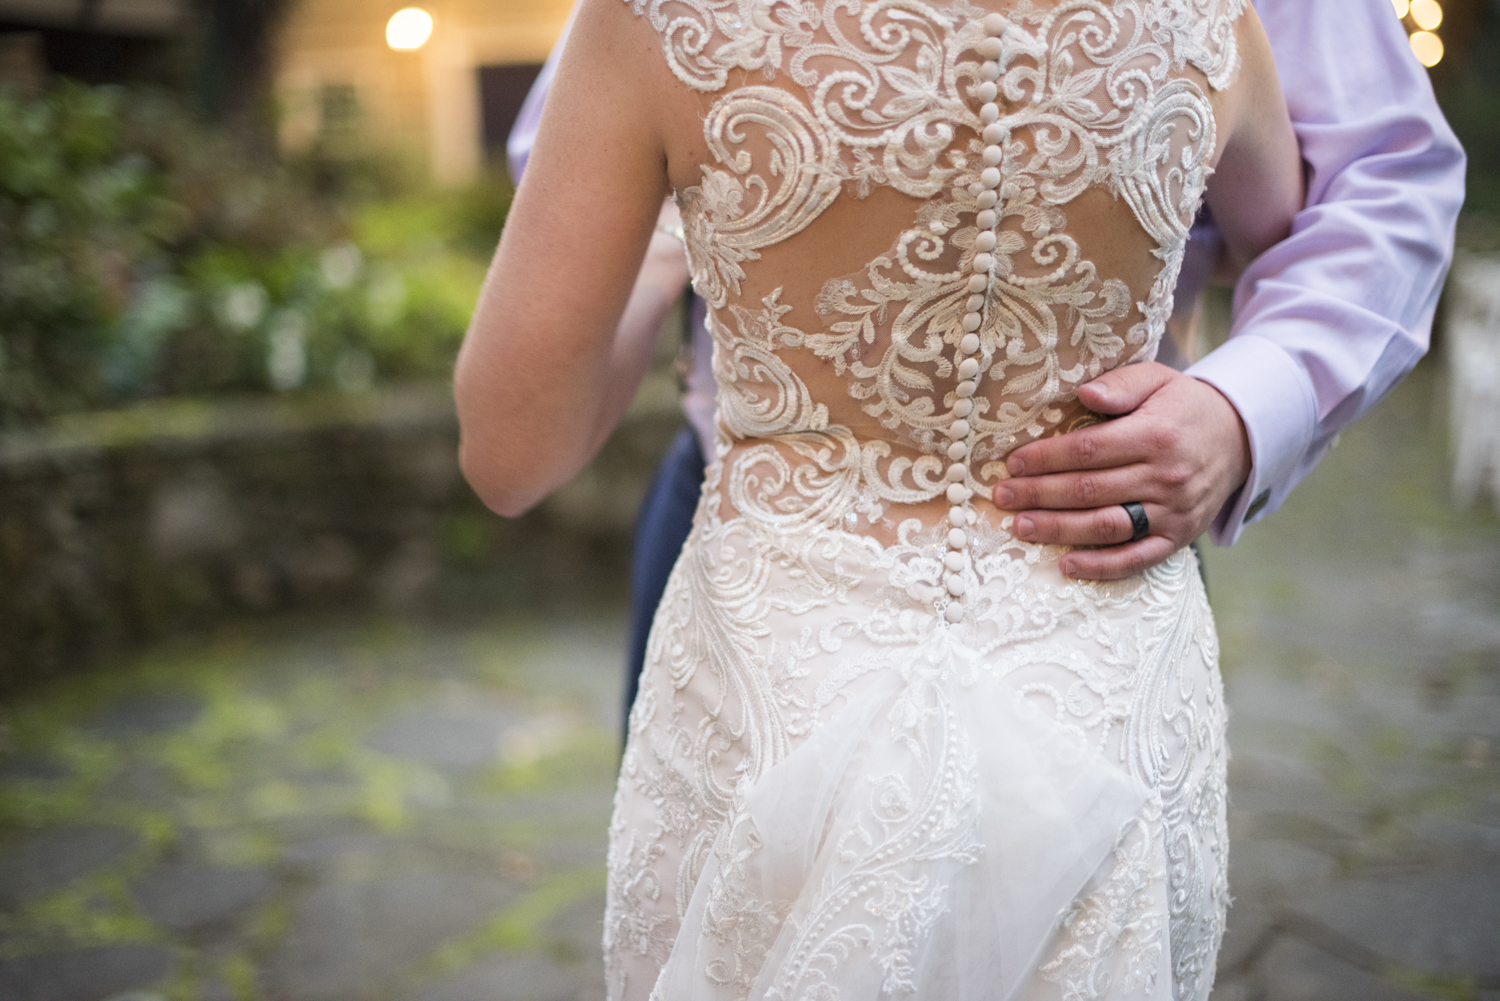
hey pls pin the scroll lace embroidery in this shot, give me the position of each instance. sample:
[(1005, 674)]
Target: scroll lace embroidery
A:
[(1095, 99), (735, 695), (782, 612)]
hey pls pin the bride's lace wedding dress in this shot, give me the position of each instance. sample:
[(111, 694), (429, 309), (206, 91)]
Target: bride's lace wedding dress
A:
[(882, 748)]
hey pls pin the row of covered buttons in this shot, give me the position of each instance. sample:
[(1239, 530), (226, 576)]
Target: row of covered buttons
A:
[(960, 433)]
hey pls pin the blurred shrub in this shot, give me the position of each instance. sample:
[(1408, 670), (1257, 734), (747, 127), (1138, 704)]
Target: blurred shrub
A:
[(143, 254)]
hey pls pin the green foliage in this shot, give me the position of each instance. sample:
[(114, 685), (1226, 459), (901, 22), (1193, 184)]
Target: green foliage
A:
[(1473, 109), (76, 213), (143, 254)]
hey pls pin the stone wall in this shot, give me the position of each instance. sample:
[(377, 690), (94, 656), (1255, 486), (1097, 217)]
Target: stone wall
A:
[(123, 527)]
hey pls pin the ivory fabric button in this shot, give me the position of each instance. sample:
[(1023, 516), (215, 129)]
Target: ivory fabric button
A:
[(962, 408), (974, 304), (954, 613), (954, 561), (965, 389), (979, 283), (957, 539), (958, 472), (990, 177), (957, 516), (955, 585), (958, 429), (989, 112), (957, 494), (993, 133), (971, 321), (985, 241), (994, 24), (987, 91), (968, 368), (989, 70), (987, 199), (986, 219), (957, 451), (983, 263), (969, 344), (989, 48)]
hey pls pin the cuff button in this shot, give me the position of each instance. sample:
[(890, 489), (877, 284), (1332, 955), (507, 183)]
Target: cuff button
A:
[(1257, 505)]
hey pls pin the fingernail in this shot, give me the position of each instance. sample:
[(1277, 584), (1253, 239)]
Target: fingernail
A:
[(1016, 465), (1067, 567), (1004, 496), (1023, 527)]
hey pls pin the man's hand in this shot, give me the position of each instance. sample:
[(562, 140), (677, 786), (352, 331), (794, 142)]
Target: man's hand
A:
[(1180, 450)]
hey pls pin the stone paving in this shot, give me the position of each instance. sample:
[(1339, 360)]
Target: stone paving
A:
[(369, 813), (1361, 647), (419, 813)]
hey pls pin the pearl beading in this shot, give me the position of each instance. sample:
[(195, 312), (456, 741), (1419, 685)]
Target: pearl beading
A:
[(960, 432)]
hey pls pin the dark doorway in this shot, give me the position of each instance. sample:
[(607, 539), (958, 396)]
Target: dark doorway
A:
[(502, 89), (94, 57)]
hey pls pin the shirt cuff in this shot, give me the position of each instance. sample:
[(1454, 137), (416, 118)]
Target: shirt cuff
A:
[(1275, 400)]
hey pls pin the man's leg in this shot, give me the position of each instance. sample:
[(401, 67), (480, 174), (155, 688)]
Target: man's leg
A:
[(662, 527)]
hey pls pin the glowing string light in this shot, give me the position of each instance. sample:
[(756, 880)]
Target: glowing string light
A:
[(1426, 13), (1402, 6), (1428, 47)]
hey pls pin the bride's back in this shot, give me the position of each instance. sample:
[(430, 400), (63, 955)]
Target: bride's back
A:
[(920, 228)]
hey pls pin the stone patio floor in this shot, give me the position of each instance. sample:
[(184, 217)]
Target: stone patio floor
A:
[(407, 813)]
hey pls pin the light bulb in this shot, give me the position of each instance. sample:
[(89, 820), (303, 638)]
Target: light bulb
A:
[(1428, 47), (408, 29), (1426, 13)]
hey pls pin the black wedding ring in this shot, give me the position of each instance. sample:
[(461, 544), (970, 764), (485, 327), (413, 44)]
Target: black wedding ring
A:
[(1140, 525)]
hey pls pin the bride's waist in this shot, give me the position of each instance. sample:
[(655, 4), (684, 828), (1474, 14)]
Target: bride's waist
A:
[(866, 486)]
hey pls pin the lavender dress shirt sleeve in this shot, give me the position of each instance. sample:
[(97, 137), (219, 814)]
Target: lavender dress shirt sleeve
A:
[(1330, 319), (523, 132)]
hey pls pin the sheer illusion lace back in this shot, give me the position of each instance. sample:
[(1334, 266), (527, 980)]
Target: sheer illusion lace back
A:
[(836, 232), (883, 748)]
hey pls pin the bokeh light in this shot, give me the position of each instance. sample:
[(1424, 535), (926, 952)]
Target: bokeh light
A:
[(1428, 47), (1426, 13), (409, 29), (1402, 7)]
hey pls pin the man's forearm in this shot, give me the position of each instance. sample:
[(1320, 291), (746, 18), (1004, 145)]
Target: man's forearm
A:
[(1330, 319)]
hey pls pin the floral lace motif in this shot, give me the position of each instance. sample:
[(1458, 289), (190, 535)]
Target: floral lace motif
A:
[(802, 653), (882, 95), (769, 641)]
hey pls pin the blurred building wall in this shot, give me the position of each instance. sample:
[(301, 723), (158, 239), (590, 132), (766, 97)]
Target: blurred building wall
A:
[(97, 41), (337, 77)]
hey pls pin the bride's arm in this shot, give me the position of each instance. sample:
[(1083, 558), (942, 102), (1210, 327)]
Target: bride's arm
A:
[(663, 277), (535, 384)]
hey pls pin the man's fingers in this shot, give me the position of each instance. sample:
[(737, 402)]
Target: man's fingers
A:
[(1103, 446), (1121, 390), (1075, 491), (1116, 562), (1104, 526)]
